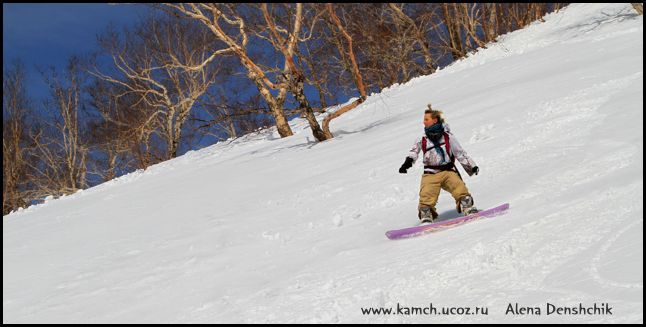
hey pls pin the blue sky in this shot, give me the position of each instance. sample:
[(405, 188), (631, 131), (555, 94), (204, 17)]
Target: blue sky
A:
[(43, 35)]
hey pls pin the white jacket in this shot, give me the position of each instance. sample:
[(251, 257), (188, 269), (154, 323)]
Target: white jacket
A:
[(432, 158)]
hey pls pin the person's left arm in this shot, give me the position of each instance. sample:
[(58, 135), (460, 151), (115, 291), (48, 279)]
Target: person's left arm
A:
[(461, 155)]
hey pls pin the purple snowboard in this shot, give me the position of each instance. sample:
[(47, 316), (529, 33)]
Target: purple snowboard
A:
[(440, 225)]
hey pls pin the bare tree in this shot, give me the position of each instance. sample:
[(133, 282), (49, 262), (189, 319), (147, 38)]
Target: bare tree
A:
[(60, 145), (387, 52), (119, 133), (15, 130), (419, 35), (314, 58), (355, 71), (235, 117), (235, 36), (286, 41), (165, 63), (639, 8), (489, 24), (469, 21), (220, 114), (450, 12)]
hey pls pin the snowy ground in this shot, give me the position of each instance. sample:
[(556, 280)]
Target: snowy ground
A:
[(263, 229)]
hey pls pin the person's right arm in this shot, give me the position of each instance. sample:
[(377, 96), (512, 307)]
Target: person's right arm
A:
[(412, 156)]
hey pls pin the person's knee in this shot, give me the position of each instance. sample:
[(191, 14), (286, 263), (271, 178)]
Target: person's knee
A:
[(456, 186), (429, 192)]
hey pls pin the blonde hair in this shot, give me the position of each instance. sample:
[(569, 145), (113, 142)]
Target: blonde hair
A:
[(436, 114)]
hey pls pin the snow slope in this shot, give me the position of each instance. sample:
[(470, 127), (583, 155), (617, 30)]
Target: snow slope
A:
[(264, 229)]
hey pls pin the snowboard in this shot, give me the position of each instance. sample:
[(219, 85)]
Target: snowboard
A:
[(444, 224)]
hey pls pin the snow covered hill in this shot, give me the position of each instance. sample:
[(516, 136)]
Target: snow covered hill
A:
[(264, 229)]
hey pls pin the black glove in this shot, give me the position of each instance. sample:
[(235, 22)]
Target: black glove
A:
[(407, 164), (475, 170)]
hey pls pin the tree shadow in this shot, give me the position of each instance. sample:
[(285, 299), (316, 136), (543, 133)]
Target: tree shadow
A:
[(625, 14), (337, 134), (309, 144), (371, 126)]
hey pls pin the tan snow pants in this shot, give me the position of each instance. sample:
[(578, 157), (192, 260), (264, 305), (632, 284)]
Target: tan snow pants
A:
[(432, 183)]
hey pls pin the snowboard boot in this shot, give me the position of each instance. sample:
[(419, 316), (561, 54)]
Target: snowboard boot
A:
[(466, 205), (426, 215)]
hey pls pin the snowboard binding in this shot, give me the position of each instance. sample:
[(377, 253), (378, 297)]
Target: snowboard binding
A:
[(466, 205), (426, 215)]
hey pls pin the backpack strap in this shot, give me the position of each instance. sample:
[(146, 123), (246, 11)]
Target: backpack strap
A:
[(448, 146), (446, 142), (424, 145), (449, 166)]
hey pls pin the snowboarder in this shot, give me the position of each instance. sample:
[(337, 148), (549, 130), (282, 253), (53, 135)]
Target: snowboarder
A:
[(440, 149)]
